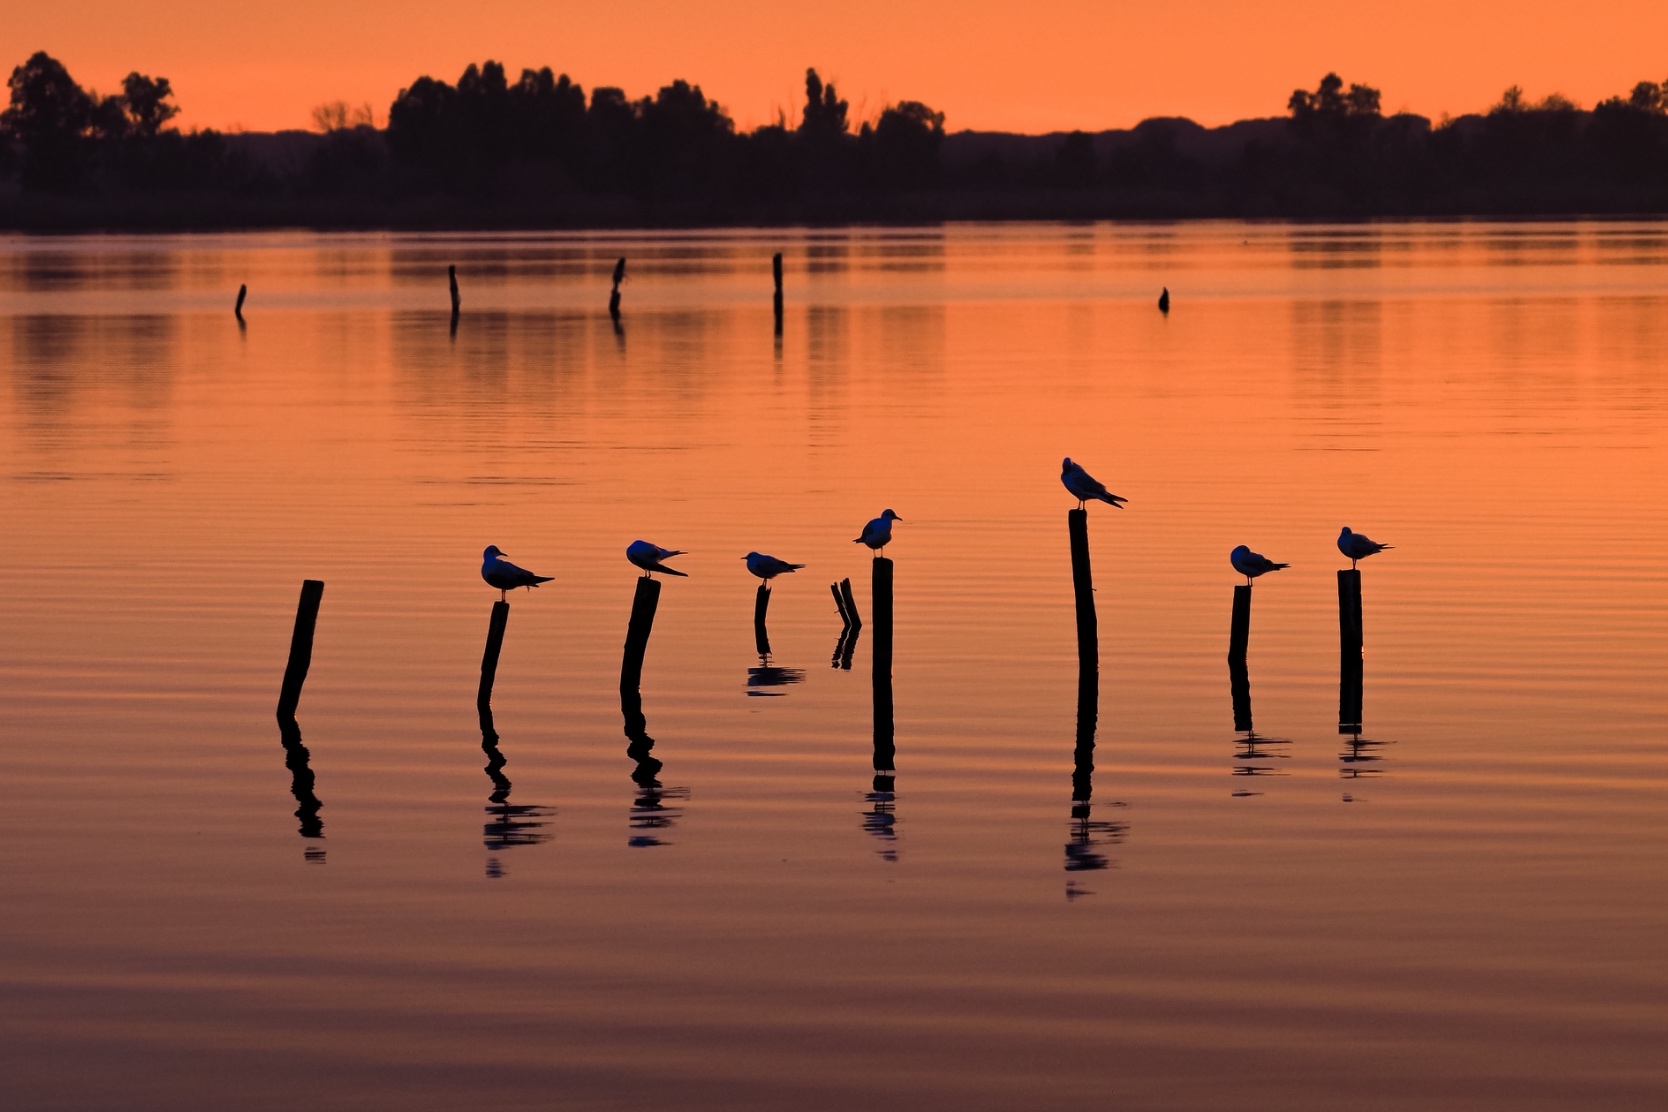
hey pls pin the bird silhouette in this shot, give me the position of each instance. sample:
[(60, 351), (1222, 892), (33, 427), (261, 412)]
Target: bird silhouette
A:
[(877, 534), (500, 573), (1084, 487), (1358, 547), (768, 567), (1252, 564), (651, 557)]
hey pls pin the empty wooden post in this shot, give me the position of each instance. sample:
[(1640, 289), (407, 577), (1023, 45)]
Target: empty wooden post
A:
[(851, 615), (237, 310), (614, 297), (1239, 629), (643, 606), (776, 270), (489, 658), (761, 604), (839, 603), (452, 280), (1083, 585), (301, 647)]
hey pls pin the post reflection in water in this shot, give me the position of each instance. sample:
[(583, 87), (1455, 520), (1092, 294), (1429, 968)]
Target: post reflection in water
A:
[(766, 674), (1251, 748), (881, 818), (508, 824), (1086, 834), (1360, 758), (296, 759), (650, 814)]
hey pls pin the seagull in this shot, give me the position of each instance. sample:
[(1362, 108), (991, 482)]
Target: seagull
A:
[(649, 556), (1358, 547), (768, 567), (1083, 486), (1252, 564), (877, 534), (500, 573)]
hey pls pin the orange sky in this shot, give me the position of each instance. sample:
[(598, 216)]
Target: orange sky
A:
[(1024, 67)]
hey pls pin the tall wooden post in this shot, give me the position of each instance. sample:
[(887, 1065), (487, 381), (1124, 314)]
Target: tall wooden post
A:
[(1239, 628), (1083, 586), (301, 647), (489, 659), (885, 751), (643, 606), (761, 604), (776, 269)]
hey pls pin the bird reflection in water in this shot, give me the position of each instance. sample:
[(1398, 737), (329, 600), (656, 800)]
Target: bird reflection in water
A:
[(769, 675), (308, 806), (650, 814), (1251, 748), (508, 824), (1086, 834)]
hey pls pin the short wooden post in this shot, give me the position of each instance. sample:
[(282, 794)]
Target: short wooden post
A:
[(1239, 684), (761, 604), (1082, 580), (452, 280), (1239, 628), (237, 310), (614, 297), (301, 647), (643, 606), (489, 660), (839, 604), (1350, 675), (852, 617), (776, 269), (882, 603)]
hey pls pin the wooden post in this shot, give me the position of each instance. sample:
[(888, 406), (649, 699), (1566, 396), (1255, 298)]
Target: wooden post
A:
[(761, 603), (1239, 628), (851, 614), (643, 605), (614, 297), (1349, 612), (1082, 580), (1349, 693), (301, 647), (452, 280), (1239, 684), (776, 269), (839, 604), (1083, 757), (237, 310), (882, 604), (489, 660)]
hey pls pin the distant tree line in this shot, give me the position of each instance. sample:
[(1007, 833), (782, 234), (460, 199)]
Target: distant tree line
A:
[(539, 150)]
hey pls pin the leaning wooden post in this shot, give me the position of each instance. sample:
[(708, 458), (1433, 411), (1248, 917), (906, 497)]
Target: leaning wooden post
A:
[(776, 269), (1239, 629), (852, 617), (839, 604), (643, 605), (1082, 581), (489, 659), (761, 604), (237, 310), (301, 647), (882, 605)]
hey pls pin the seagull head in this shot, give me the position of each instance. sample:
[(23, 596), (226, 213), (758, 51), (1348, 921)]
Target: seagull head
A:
[(751, 556), (1345, 533), (1065, 465), (888, 515), (492, 552)]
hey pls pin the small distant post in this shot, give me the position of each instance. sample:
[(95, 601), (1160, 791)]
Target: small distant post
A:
[(761, 603), (237, 310), (643, 606), (489, 658), (776, 269), (1239, 630), (452, 278), (1082, 580), (614, 297), (301, 647)]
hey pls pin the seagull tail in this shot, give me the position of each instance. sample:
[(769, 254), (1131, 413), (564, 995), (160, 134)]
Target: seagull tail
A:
[(1279, 567), (1384, 547), (537, 579), (795, 567), (664, 570), (1113, 500)]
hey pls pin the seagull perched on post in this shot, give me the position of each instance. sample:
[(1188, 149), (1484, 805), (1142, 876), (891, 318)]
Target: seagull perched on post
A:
[(1252, 564), (500, 573), (1084, 487), (768, 567), (877, 534), (1358, 547), (650, 557)]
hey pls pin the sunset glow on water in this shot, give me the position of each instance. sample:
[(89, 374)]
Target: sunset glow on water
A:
[(1466, 914)]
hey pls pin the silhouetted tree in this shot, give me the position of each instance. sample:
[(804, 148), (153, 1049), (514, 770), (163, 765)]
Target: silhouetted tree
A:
[(905, 142), (824, 120), (1075, 163), (49, 117), (144, 102)]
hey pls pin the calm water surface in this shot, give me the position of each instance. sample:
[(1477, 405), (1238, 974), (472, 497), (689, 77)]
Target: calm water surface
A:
[(1462, 906)]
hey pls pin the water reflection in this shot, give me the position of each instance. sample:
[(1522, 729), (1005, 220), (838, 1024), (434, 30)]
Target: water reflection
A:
[(296, 759), (1360, 758), (1086, 834), (1251, 750), (650, 814), (881, 818), (770, 675), (508, 824)]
